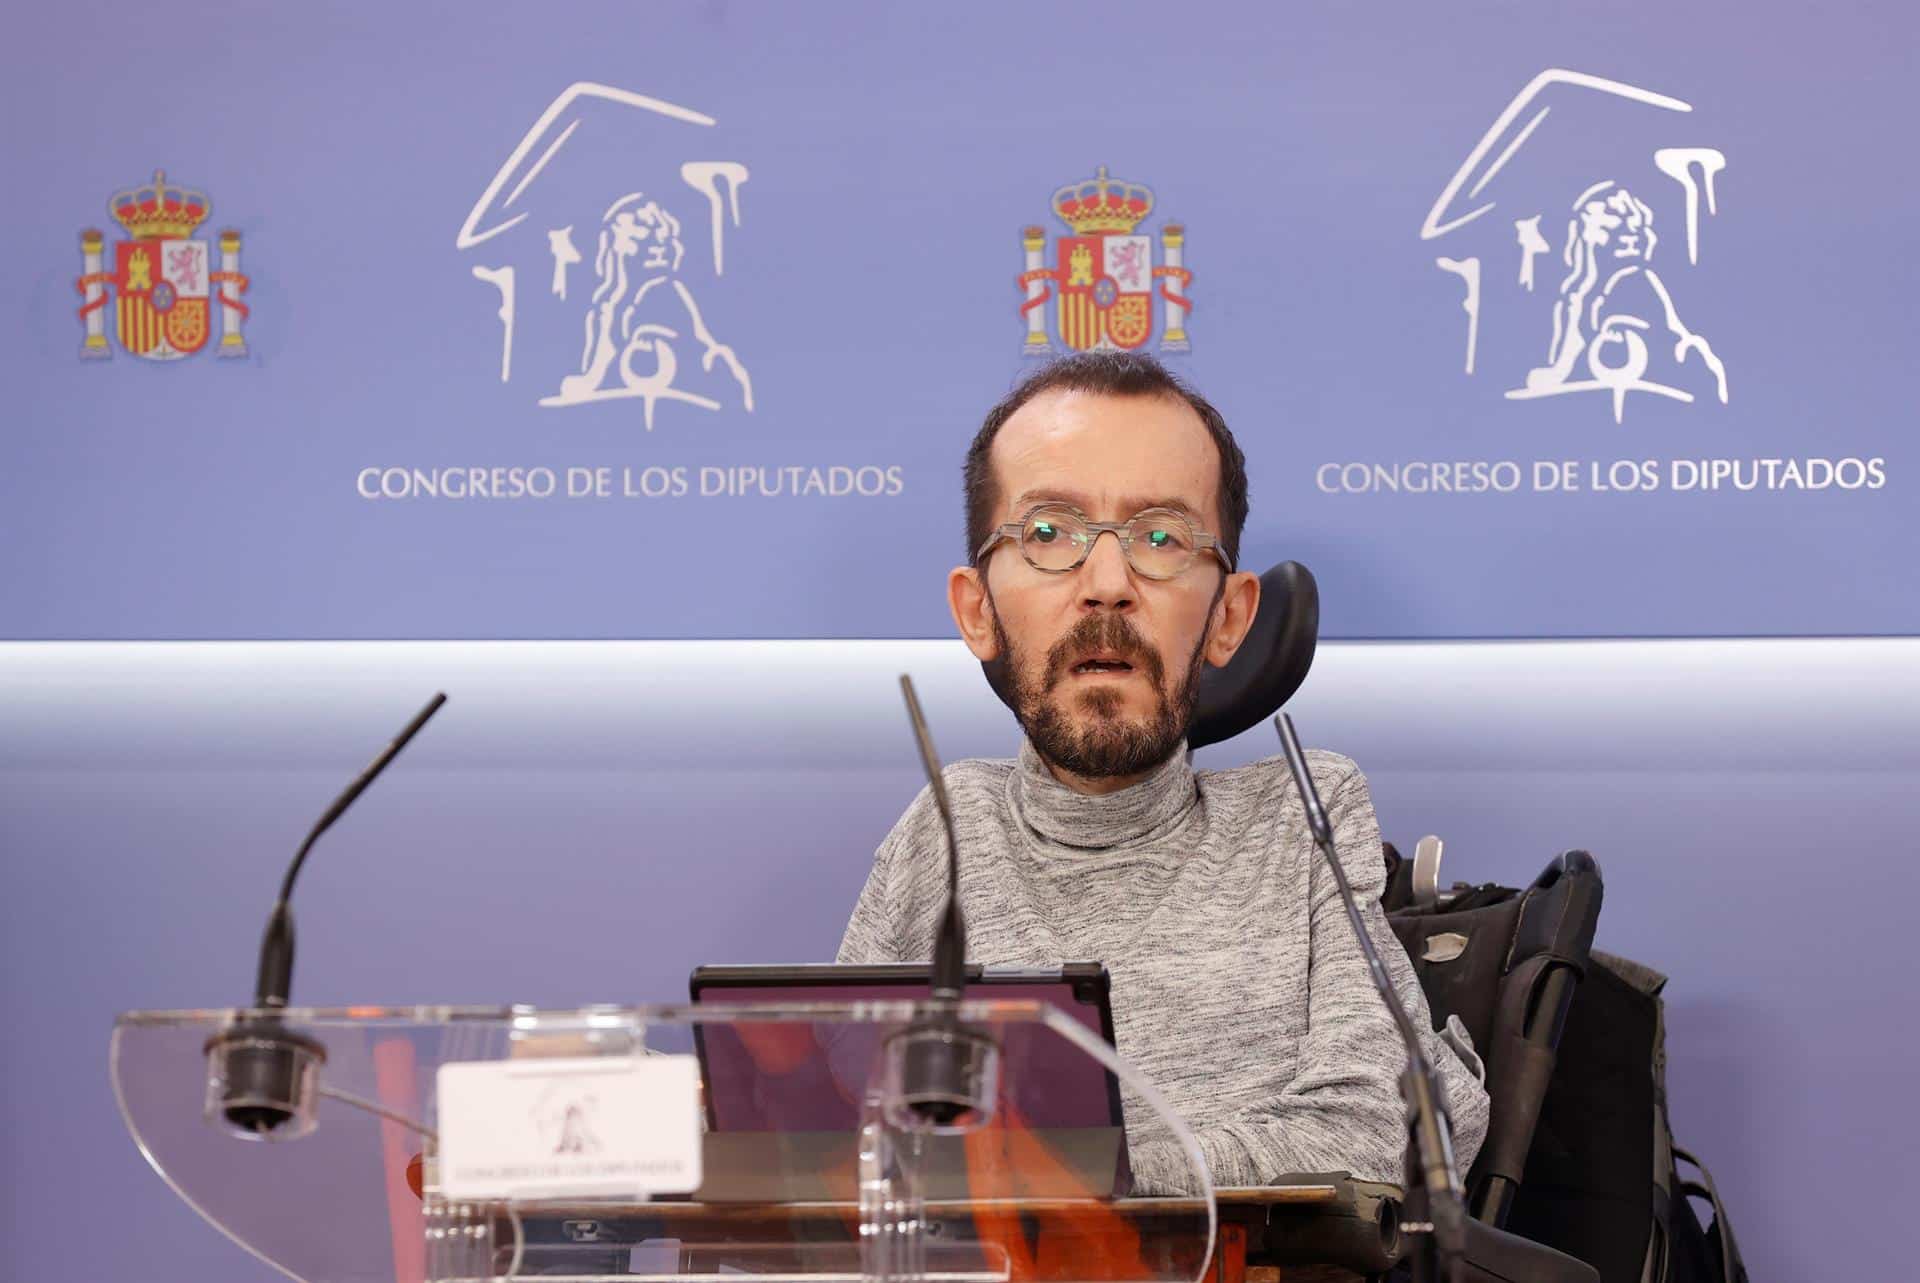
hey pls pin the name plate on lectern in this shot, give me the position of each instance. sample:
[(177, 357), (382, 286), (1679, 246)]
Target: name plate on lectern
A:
[(579, 1127)]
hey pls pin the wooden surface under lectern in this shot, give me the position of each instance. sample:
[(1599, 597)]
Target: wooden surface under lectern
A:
[(1309, 1227)]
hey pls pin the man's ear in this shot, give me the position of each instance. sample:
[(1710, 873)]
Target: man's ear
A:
[(1233, 616), (973, 611)]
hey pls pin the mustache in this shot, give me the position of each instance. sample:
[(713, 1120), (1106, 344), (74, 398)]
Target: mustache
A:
[(1108, 632)]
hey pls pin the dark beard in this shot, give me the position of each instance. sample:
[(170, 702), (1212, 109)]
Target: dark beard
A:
[(1109, 746)]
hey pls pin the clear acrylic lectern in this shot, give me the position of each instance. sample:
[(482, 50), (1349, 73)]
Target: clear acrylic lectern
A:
[(816, 1143)]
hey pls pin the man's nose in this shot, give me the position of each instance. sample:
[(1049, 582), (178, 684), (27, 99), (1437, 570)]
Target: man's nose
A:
[(1106, 581)]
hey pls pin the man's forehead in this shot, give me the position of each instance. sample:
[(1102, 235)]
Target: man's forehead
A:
[(1097, 451), (1087, 501)]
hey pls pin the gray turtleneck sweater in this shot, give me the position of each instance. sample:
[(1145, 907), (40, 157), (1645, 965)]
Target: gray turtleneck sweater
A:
[(1238, 989)]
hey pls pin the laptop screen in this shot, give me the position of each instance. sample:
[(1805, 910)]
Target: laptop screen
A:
[(775, 1077)]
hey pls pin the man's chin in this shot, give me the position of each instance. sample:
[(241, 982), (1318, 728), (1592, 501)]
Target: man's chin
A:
[(1100, 708), (1100, 744)]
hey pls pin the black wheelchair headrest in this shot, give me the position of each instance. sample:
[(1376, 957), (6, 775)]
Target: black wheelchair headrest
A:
[(1262, 675)]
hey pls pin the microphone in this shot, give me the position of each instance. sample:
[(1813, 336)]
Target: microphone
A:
[(261, 1074), (1464, 1250), (945, 1075), (1431, 1154), (950, 945), (276, 947)]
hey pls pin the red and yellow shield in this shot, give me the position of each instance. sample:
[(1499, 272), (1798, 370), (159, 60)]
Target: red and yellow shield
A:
[(1106, 297), (161, 288)]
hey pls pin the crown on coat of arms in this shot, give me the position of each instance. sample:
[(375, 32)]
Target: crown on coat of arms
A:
[(155, 211), (1102, 204)]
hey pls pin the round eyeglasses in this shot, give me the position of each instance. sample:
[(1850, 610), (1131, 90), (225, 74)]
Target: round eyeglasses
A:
[(1159, 543)]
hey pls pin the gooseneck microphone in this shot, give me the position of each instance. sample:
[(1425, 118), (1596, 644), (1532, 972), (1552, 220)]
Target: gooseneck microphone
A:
[(950, 945), (276, 946), (947, 1073), (261, 1074), (1431, 1151), (1463, 1250)]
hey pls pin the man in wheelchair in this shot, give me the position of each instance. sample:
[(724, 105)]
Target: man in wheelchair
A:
[(1238, 988)]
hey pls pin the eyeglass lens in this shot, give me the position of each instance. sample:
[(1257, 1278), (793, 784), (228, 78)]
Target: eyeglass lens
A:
[(1159, 543)]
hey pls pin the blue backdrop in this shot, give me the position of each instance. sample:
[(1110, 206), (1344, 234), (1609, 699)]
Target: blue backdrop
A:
[(592, 320)]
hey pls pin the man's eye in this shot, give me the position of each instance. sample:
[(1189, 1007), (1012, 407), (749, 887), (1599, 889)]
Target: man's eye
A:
[(1044, 531), (1160, 538)]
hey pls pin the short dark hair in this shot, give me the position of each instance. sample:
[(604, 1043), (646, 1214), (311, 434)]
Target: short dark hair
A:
[(1123, 374)]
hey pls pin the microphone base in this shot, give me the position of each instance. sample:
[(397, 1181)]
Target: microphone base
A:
[(263, 1080), (940, 1077)]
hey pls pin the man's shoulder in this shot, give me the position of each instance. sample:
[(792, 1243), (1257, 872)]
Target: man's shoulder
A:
[(975, 772), (1270, 775), (972, 783), (976, 781), (1262, 798)]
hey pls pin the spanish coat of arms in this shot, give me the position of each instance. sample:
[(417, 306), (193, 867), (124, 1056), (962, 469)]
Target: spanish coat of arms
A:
[(163, 282), (1103, 273)]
